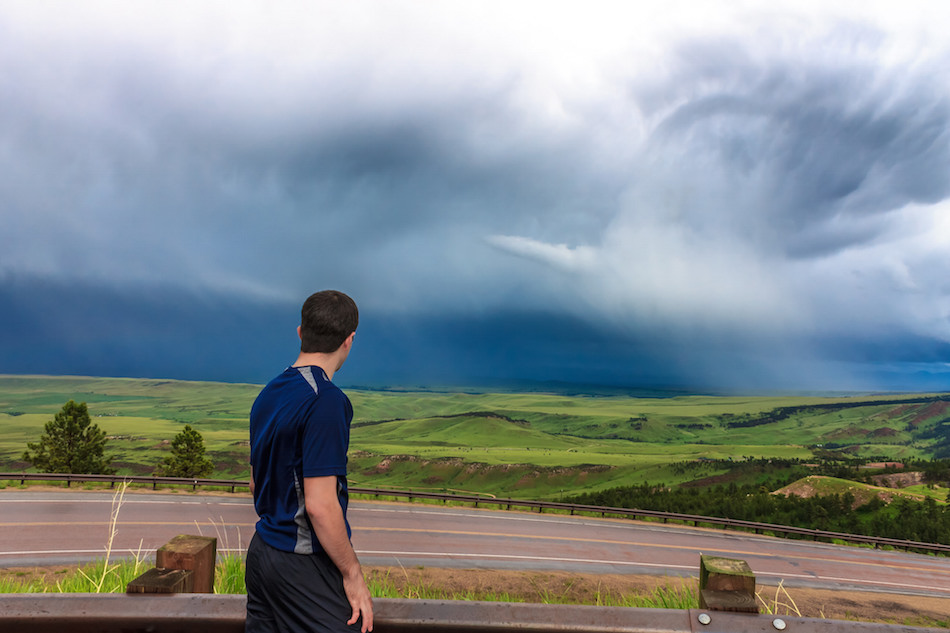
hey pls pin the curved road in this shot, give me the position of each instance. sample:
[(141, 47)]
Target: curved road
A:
[(39, 528)]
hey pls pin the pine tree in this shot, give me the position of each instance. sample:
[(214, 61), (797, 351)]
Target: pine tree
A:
[(71, 444), (188, 456)]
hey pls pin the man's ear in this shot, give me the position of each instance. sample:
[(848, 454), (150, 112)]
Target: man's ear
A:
[(347, 343), (298, 333)]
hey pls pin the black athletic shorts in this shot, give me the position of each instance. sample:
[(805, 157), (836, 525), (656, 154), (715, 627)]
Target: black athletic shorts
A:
[(290, 592)]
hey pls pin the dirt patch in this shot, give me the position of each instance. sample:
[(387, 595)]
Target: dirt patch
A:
[(813, 486), (881, 465), (932, 410), (899, 480), (801, 488)]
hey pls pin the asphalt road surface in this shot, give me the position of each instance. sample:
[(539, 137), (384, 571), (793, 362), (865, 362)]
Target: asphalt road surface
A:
[(51, 528)]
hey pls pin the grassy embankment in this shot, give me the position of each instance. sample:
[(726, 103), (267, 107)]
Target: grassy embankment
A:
[(518, 445)]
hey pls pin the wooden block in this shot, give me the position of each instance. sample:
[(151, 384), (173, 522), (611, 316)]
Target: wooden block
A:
[(157, 580), (726, 584), (193, 553)]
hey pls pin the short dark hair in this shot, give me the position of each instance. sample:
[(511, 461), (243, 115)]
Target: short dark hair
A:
[(326, 319)]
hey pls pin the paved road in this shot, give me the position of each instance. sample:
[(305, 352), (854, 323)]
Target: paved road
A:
[(65, 527)]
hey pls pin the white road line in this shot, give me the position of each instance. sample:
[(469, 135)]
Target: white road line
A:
[(501, 517), (615, 524), (886, 584)]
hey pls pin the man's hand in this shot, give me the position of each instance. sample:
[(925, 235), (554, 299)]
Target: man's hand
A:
[(326, 516), (358, 594)]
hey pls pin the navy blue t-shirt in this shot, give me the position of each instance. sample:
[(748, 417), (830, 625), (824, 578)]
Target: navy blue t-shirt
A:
[(300, 427)]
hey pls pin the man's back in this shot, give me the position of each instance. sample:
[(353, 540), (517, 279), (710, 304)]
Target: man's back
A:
[(299, 427)]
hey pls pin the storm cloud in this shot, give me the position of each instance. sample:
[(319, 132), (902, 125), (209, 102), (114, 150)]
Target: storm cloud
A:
[(703, 195)]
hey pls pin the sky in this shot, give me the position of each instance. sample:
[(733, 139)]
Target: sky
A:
[(721, 196)]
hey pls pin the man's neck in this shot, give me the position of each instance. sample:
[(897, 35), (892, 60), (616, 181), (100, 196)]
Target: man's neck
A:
[(329, 363)]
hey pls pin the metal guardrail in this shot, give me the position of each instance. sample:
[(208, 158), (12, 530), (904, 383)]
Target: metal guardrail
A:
[(540, 506), (184, 613), (154, 480)]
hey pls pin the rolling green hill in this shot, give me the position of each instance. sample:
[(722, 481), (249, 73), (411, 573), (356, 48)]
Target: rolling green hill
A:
[(537, 445)]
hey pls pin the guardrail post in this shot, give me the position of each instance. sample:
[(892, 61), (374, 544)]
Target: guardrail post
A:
[(185, 564), (726, 584), (193, 553)]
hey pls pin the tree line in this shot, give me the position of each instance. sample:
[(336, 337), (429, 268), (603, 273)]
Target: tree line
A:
[(72, 443)]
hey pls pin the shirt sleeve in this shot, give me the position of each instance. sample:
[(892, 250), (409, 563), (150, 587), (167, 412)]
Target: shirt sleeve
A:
[(326, 435)]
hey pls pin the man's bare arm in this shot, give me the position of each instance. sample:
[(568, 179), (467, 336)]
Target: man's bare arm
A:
[(326, 516)]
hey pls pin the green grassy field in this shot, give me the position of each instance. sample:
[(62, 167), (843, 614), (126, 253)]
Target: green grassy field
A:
[(538, 445)]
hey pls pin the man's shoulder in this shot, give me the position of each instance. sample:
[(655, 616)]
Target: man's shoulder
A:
[(308, 382), (289, 385)]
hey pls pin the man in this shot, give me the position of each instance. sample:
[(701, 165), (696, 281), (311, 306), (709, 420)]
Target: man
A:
[(302, 573)]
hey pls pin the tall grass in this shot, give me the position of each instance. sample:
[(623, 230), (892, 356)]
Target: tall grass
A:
[(101, 576), (780, 604), (229, 574), (113, 577), (98, 579), (665, 597), (13, 585)]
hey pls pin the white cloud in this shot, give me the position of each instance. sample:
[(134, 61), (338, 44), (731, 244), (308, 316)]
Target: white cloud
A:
[(896, 283), (561, 256)]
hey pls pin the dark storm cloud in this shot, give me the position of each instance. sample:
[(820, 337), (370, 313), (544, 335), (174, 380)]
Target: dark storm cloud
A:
[(88, 329)]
